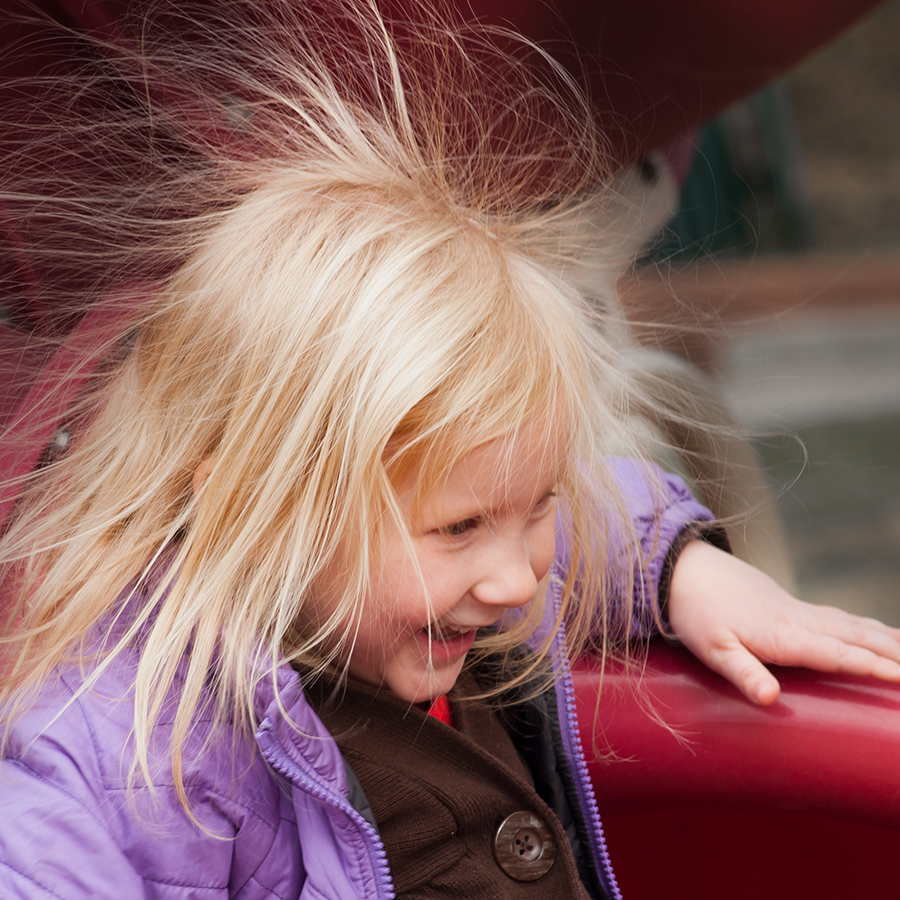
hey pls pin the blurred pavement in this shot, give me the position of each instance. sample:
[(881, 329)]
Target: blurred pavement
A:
[(821, 390)]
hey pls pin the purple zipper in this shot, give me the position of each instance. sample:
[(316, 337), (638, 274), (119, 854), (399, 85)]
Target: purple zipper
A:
[(565, 701), (279, 759)]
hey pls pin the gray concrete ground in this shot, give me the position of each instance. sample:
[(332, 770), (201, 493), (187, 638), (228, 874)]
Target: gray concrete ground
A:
[(821, 390), (832, 378), (824, 365)]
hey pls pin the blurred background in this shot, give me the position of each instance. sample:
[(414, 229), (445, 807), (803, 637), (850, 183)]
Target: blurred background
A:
[(785, 255), (779, 274)]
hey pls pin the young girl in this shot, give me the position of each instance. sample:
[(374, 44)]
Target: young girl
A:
[(292, 616)]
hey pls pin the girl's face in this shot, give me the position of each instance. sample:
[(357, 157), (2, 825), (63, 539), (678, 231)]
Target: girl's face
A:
[(483, 539)]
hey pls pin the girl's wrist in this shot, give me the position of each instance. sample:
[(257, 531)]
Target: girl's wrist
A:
[(705, 532)]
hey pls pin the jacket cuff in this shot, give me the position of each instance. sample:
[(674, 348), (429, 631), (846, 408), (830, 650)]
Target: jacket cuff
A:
[(662, 510), (696, 531)]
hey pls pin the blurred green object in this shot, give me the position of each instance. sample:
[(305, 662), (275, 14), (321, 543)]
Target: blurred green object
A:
[(744, 192)]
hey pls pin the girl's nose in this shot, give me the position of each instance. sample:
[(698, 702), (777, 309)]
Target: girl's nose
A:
[(509, 578)]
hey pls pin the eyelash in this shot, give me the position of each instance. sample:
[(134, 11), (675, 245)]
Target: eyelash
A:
[(458, 529), (464, 526)]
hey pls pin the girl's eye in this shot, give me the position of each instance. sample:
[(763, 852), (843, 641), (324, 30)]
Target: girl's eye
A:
[(544, 503), (458, 529)]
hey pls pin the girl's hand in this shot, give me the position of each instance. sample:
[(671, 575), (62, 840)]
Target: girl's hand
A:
[(734, 618)]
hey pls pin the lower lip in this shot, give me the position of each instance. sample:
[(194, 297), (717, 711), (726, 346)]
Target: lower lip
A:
[(453, 648)]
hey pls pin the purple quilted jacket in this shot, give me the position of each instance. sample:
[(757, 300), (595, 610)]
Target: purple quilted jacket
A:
[(274, 818)]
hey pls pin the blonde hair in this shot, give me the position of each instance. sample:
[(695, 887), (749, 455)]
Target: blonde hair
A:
[(362, 254)]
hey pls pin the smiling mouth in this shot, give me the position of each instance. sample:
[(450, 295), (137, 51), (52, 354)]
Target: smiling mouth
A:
[(446, 642), (444, 633)]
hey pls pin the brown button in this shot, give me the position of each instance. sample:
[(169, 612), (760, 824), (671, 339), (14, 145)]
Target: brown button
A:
[(524, 846)]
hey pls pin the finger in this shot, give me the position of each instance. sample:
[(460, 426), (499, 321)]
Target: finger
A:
[(830, 654), (837, 613), (746, 673), (832, 623), (880, 639)]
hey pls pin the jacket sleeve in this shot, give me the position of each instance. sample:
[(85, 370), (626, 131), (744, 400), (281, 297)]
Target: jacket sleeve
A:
[(55, 841), (72, 826), (662, 513)]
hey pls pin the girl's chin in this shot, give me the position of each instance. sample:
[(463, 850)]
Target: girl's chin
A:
[(421, 670), (425, 686)]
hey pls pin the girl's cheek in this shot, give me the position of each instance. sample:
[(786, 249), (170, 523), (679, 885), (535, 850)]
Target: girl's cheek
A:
[(545, 549)]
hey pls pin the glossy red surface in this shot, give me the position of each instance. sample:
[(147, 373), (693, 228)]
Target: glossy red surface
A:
[(655, 71), (717, 798), (657, 68)]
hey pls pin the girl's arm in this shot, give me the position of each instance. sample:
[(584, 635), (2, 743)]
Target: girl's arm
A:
[(735, 619), (663, 511), (71, 827), (54, 845), (728, 614)]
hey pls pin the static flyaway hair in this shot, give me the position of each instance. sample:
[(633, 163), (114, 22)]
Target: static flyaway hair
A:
[(355, 240)]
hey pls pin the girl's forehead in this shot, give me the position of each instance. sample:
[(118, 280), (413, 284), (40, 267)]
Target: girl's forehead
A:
[(535, 448), (520, 467)]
